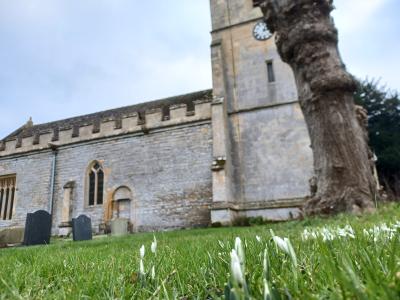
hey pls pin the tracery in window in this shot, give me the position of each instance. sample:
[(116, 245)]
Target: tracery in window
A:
[(7, 197), (96, 184)]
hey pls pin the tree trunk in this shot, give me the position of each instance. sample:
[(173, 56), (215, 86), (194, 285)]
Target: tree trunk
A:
[(308, 41), (396, 185)]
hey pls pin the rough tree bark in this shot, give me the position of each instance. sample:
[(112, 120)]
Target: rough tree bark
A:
[(308, 41)]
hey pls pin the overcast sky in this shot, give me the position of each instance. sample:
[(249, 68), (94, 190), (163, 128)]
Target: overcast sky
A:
[(62, 58)]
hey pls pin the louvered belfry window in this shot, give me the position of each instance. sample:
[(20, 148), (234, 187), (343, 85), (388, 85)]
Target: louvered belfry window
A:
[(96, 184), (7, 197)]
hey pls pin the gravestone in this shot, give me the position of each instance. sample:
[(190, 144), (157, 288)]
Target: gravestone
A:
[(37, 228), (119, 227), (82, 228)]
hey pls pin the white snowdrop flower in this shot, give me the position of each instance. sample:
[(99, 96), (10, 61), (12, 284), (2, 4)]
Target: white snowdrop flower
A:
[(385, 228), (236, 268), (142, 251), (258, 238), (240, 252), (375, 235), (286, 246), (347, 231), (153, 273), (280, 243), (154, 245), (291, 253), (305, 235), (350, 231), (397, 225), (238, 243), (341, 232), (314, 235), (309, 234), (141, 267), (327, 234)]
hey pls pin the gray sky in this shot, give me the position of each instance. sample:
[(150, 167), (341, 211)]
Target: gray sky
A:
[(62, 58)]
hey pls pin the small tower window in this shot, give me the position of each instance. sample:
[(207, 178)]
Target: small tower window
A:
[(96, 184), (271, 73)]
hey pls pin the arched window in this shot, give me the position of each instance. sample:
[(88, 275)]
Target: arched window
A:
[(96, 184), (7, 197)]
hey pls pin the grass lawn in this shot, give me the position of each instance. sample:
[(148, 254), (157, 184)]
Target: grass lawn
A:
[(196, 264)]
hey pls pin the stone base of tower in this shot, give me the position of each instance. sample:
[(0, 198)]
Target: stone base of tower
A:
[(281, 210), (223, 216)]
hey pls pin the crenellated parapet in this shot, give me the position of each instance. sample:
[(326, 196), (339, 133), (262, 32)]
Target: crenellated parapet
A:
[(142, 118)]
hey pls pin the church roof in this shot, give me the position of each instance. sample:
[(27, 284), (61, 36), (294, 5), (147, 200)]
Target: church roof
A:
[(29, 129)]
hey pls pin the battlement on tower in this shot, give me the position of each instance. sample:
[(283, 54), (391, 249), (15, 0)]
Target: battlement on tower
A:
[(141, 119)]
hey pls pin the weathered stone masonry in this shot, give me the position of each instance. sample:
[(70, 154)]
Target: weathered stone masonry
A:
[(33, 184), (241, 149), (167, 172), (268, 155), (164, 160)]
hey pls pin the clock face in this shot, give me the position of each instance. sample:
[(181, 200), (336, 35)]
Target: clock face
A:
[(261, 32)]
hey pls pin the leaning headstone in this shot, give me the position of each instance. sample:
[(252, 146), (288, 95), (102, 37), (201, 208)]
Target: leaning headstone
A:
[(37, 228), (119, 227), (82, 228)]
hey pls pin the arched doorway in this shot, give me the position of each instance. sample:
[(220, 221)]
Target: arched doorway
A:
[(122, 201)]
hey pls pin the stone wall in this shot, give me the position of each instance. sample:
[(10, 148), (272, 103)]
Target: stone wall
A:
[(273, 159), (225, 13), (245, 70), (33, 183), (167, 170), (269, 155)]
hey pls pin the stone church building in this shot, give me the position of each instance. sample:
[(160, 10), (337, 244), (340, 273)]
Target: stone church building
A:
[(240, 149)]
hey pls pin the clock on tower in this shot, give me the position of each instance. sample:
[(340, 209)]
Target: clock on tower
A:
[(261, 32)]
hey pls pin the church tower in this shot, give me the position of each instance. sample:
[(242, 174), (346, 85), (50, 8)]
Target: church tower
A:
[(262, 154)]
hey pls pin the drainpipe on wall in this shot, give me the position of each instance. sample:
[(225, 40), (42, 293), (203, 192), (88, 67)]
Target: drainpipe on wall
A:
[(52, 179)]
